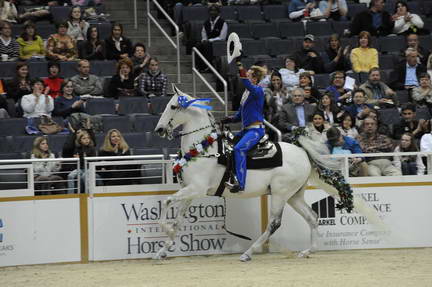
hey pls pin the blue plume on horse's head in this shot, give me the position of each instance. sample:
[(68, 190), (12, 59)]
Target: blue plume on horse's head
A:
[(185, 101)]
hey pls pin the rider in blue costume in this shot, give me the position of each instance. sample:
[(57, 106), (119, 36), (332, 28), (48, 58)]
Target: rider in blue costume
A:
[(251, 115)]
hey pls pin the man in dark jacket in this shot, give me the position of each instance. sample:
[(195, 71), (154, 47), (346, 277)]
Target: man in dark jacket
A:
[(406, 76), (307, 58), (374, 20)]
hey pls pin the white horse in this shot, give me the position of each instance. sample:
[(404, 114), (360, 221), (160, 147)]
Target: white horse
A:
[(201, 177)]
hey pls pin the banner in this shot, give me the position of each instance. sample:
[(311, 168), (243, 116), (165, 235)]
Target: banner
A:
[(128, 227), (405, 211)]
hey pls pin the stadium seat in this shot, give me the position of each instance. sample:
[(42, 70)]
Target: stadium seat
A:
[(389, 116), (250, 14), (60, 13), (354, 9), (56, 143), (136, 140), (276, 13), (386, 62), (403, 96), (12, 155), (391, 45), (147, 151), (13, 126), (122, 123), (321, 81), (103, 68), (6, 145), (97, 106), (104, 30), (219, 48), (340, 26), (133, 105), (145, 123), (255, 47), (22, 143), (264, 30), (280, 47), (195, 13), (289, 30), (423, 113), (158, 104), (319, 28), (229, 14), (242, 29)]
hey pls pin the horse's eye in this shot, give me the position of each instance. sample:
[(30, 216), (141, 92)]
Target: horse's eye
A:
[(173, 107)]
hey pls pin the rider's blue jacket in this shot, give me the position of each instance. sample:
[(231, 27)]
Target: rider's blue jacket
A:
[(251, 105)]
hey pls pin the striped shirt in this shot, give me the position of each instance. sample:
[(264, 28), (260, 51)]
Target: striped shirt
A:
[(153, 84), (10, 47)]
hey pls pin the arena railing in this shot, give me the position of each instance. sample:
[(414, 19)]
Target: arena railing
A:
[(196, 72), (151, 19)]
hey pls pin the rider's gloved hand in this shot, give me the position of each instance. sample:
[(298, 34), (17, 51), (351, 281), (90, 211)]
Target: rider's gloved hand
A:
[(227, 120)]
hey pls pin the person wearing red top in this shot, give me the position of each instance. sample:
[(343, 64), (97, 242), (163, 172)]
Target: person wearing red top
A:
[(53, 82)]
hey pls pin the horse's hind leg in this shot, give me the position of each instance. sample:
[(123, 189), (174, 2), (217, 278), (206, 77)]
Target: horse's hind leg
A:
[(298, 203), (277, 206)]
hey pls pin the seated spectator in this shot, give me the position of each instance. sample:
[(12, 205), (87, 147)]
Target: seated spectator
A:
[(375, 20), (86, 83), (311, 94), (404, 21), (410, 164), (93, 48), (340, 95), (140, 59), (422, 95), (9, 12), (348, 126), (359, 109), (295, 114), (60, 46), (37, 104), (364, 58), (9, 48), (298, 9), (68, 103), (383, 129), (85, 3), (30, 43), (45, 176), (290, 74), (3, 102), (117, 46), (276, 95), (408, 123), (334, 9), (373, 142), (122, 83), (412, 41), (153, 82), (77, 27), (377, 92), (317, 128), (335, 57), (426, 142), (54, 81), (406, 75), (214, 29), (331, 112), (20, 84), (341, 144), (307, 58)]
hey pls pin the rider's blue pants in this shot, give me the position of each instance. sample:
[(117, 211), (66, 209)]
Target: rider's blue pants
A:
[(249, 138)]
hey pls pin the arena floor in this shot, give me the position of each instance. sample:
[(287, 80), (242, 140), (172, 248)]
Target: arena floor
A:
[(387, 268)]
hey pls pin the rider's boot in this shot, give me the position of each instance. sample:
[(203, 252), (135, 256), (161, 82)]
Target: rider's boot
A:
[(234, 185)]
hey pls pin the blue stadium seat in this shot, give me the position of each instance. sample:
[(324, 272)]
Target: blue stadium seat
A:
[(104, 30), (100, 106), (340, 26), (275, 13), (195, 13), (255, 47), (145, 123), (122, 123), (133, 105), (289, 30), (319, 28), (280, 47), (158, 104), (250, 13), (13, 155), (219, 48), (242, 29), (391, 45), (60, 13), (386, 61), (56, 142), (229, 14), (403, 96), (136, 140), (354, 9), (22, 143), (264, 30), (13, 126), (6, 145)]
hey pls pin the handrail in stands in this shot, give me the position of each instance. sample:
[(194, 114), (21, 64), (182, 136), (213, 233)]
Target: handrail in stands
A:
[(176, 45)]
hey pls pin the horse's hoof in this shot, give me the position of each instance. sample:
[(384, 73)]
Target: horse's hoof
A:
[(160, 256), (245, 258), (304, 254)]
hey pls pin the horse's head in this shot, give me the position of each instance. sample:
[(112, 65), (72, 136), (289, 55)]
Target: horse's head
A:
[(175, 114)]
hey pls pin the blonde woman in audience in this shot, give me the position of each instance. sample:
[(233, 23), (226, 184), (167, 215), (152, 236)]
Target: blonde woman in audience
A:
[(37, 104), (31, 44), (60, 46), (422, 95), (364, 58), (44, 171), (77, 27)]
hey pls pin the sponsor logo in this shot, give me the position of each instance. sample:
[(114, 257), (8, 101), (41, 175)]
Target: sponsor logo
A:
[(326, 211)]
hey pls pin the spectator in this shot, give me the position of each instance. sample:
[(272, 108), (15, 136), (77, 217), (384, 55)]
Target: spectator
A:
[(307, 58), (422, 95), (340, 95), (20, 84), (412, 41), (77, 27), (54, 81), (82, 146), (93, 48), (117, 46), (214, 29), (68, 103), (295, 114), (348, 126), (408, 123), (140, 59), (265, 82), (332, 114), (37, 104), (9, 48), (334, 9), (290, 74), (86, 83), (122, 83), (375, 20), (85, 3), (335, 57), (276, 95), (60, 46), (359, 109), (373, 114), (429, 65), (30, 43), (377, 92), (153, 82), (317, 128), (8, 12), (406, 22), (298, 9), (45, 176), (311, 94), (3, 102), (341, 144), (426, 142), (34, 14), (406, 75), (364, 58), (373, 142), (411, 164)]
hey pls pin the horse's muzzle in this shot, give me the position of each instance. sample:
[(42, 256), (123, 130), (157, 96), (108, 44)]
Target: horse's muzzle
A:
[(161, 132)]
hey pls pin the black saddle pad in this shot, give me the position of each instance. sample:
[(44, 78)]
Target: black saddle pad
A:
[(272, 162)]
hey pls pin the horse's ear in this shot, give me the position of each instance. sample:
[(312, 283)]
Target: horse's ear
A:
[(176, 90)]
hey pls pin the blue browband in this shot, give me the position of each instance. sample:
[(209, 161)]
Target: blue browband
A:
[(184, 103)]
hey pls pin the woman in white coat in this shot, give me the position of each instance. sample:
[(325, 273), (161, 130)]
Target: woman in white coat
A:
[(406, 22), (37, 104)]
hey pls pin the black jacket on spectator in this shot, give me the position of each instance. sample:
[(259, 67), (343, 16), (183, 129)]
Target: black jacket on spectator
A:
[(70, 149), (363, 22), (405, 127), (111, 51), (15, 92), (113, 171), (330, 66), (118, 88), (399, 73), (87, 51), (303, 61)]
